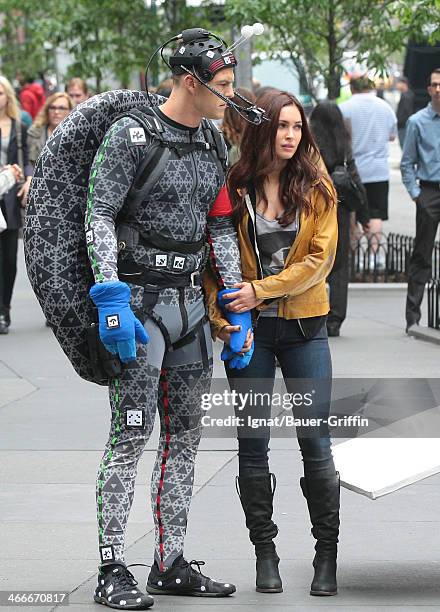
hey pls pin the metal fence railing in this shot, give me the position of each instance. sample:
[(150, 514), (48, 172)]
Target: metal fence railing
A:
[(384, 258), (381, 258)]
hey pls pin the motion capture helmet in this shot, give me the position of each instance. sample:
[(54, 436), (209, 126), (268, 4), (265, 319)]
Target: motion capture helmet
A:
[(202, 51), (202, 54)]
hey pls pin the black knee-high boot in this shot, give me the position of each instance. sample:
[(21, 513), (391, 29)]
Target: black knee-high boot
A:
[(322, 495), (256, 496)]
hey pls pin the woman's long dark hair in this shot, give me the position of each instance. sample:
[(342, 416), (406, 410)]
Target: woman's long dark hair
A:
[(331, 135), (258, 160)]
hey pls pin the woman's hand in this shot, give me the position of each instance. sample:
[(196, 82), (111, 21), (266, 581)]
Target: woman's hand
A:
[(23, 192), (17, 171), (225, 335), (242, 300)]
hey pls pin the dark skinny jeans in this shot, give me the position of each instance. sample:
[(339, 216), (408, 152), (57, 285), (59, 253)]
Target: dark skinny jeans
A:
[(299, 359), (8, 267)]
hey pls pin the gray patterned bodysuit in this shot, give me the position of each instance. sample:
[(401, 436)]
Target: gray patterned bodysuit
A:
[(180, 205)]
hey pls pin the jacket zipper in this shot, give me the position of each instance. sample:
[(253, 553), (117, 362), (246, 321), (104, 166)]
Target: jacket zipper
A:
[(301, 327), (255, 244)]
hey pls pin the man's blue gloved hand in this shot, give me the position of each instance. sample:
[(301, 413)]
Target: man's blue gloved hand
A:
[(236, 360), (118, 327), (231, 353), (244, 319)]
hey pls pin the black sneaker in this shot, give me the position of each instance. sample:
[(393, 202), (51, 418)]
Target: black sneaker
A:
[(182, 579), (117, 588)]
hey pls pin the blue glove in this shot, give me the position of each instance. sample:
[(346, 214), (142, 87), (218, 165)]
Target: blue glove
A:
[(238, 338), (231, 353), (236, 360), (118, 327)]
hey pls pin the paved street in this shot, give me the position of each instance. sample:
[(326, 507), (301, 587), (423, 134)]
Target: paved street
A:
[(53, 427)]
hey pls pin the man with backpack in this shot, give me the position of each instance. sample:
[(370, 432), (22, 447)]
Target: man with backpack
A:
[(156, 211)]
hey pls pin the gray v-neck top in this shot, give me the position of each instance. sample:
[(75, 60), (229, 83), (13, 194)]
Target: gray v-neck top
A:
[(274, 243)]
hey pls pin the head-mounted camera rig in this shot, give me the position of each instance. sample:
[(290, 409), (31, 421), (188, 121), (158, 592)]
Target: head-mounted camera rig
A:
[(202, 54)]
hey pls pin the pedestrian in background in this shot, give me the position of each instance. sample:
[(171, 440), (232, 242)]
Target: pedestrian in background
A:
[(421, 162), (164, 88), (233, 126), (55, 109), (334, 142), (31, 95), (380, 89), (77, 90), (9, 175), (13, 150), (25, 118), (373, 124), (405, 108)]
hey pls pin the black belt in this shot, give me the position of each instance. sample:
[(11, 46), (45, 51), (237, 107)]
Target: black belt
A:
[(164, 243), (158, 279), (432, 184)]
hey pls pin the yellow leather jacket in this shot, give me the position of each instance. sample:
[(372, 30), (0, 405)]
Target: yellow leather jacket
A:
[(300, 288)]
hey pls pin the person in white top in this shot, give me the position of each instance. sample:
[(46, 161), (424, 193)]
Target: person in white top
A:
[(9, 175), (373, 124)]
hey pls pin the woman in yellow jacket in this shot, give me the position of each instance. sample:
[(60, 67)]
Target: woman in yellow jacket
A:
[(285, 209)]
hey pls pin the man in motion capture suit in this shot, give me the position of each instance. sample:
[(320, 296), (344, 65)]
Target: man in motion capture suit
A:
[(156, 212)]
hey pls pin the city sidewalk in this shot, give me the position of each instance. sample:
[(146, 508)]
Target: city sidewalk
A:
[(52, 430), (53, 427)]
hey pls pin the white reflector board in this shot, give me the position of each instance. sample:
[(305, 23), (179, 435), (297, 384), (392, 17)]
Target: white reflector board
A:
[(377, 466)]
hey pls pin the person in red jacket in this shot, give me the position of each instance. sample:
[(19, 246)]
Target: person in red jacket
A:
[(31, 96)]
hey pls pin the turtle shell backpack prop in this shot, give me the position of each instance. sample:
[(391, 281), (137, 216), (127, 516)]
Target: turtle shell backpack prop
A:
[(54, 236)]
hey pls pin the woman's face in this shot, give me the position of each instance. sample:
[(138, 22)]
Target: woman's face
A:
[(289, 132), (3, 98), (57, 111)]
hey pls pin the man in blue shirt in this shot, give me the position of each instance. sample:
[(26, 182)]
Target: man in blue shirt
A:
[(420, 167)]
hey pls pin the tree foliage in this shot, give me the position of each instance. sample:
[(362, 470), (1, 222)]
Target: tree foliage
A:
[(317, 35), (107, 36), (103, 36), (23, 33)]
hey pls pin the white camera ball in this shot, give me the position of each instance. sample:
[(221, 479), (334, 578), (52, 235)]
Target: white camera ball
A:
[(247, 31)]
